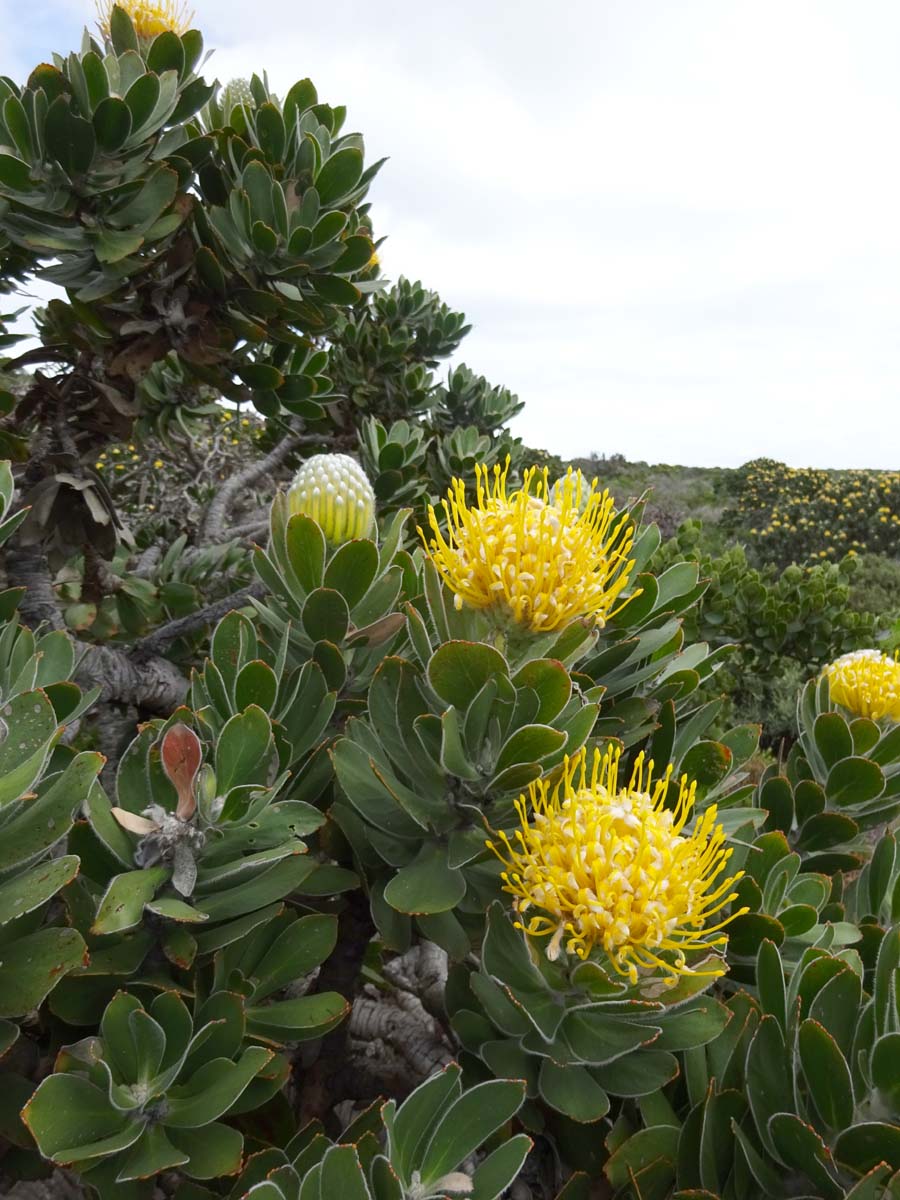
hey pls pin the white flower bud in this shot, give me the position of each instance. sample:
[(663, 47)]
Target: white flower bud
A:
[(335, 491)]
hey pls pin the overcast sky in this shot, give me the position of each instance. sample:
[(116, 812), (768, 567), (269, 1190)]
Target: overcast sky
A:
[(674, 226)]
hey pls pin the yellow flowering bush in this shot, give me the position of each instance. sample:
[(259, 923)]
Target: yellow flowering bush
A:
[(790, 514)]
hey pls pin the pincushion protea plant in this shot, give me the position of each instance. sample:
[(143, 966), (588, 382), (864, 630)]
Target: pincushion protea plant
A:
[(613, 867), (149, 17), (867, 683), (536, 557)]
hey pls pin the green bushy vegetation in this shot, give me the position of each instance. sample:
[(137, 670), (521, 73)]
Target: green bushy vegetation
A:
[(336, 866), (790, 514)]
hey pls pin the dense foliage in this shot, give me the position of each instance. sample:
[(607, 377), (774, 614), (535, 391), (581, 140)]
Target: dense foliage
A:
[(790, 514), (781, 624), (342, 858)]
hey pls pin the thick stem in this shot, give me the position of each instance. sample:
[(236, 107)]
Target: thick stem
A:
[(230, 492), (317, 1088), (150, 682), (26, 567)]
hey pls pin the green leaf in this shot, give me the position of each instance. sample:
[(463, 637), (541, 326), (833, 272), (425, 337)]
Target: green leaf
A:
[(122, 905), (214, 1150), (799, 1146), (596, 1038), (573, 1091), (264, 889), (69, 138), (15, 174), (213, 1089), (746, 933), (339, 174), (30, 730), (260, 375), (645, 1146), (326, 616), (708, 763), (506, 958), (498, 1171), (166, 53), (854, 781), (827, 1074), (637, 1074), (28, 891), (767, 1078), (870, 1187), (174, 909), (303, 945), (833, 738), (530, 744), (550, 681), (151, 1154), (270, 130), (142, 98), (33, 965), (112, 123), (454, 757), (68, 1115), (297, 1020), (417, 1116), (257, 685), (467, 1124), (243, 750), (121, 31), (836, 1007), (352, 570), (427, 885), (146, 206), (112, 245), (305, 545), (825, 830), (335, 289), (867, 1144), (694, 1024), (716, 1151), (458, 670)]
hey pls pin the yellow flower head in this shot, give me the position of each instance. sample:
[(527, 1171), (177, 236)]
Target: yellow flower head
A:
[(335, 491), (867, 683), (613, 867), (149, 17), (540, 556)]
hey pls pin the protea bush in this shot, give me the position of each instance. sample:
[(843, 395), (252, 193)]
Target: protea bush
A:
[(369, 830)]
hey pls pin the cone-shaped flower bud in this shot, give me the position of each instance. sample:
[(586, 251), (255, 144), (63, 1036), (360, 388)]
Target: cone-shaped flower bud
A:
[(538, 556), (867, 683), (335, 491), (612, 867)]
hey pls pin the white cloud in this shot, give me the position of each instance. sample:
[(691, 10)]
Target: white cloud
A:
[(673, 226)]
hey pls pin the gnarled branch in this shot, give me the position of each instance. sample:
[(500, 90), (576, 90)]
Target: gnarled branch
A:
[(230, 491)]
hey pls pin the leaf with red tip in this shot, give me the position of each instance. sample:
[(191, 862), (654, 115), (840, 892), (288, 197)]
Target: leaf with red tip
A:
[(182, 755)]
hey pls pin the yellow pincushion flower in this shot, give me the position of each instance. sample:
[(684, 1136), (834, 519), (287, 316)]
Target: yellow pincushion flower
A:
[(541, 557), (612, 867), (149, 17), (867, 683), (335, 491)]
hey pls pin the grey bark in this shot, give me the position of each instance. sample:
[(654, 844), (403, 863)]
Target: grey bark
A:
[(230, 491)]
